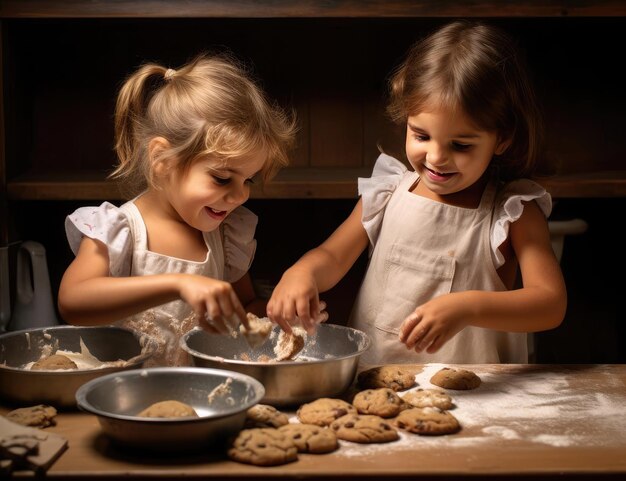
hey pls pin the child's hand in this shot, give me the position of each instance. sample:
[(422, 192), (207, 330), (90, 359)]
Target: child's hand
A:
[(214, 301), (434, 323), (295, 300)]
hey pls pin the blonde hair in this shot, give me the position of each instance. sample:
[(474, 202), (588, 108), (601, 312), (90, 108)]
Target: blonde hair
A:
[(476, 68), (208, 107)]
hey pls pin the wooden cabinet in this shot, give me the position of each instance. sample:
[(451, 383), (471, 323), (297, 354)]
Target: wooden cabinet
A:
[(62, 62)]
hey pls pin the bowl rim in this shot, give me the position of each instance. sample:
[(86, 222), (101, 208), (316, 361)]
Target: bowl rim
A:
[(150, 349), (366, 345), (83, 404)]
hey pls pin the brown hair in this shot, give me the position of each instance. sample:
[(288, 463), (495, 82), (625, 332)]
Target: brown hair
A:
[(209, 106), (476, 68)]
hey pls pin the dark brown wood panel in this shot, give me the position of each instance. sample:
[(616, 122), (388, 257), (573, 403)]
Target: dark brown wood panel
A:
[(306, 8)]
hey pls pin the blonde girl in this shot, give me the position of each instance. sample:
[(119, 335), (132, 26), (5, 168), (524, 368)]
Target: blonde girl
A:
[(189, 142), (447, 237)]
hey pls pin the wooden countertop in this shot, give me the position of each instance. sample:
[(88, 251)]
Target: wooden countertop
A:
[(524, 421)]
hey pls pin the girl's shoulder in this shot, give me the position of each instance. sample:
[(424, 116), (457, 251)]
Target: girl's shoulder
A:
[(509, 206), (375, 192), (105, 223), (512, 195)]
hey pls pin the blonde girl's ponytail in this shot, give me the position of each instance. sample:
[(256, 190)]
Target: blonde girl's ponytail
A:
[(130, 112)]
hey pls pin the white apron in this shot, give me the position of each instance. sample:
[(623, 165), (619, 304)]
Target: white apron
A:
[(167, 323), (426, 249)]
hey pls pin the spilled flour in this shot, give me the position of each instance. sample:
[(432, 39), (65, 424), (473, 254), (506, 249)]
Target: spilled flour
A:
[(523, 404)]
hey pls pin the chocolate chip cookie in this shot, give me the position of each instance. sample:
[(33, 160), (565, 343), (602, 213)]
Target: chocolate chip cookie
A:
[(364, 428), (422, 398), (427, 421), (263, 447), (324, 411), (394, 376), (458, 379), (383, 402), (265, 416), (39, 416), (310, 438)]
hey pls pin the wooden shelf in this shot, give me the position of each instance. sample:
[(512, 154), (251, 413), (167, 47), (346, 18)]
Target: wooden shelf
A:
[(294, 183), (304, 8)]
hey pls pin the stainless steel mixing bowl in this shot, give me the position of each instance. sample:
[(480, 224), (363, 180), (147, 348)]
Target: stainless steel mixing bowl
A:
[(58, 388), (117, 398), (325, 367)]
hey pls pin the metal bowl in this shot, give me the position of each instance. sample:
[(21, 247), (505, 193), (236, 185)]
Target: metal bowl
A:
[(325, 367), (117, 398), (58, 388)]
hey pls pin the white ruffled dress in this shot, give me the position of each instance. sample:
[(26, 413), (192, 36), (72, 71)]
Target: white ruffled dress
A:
[(230, 250), (421, 249)]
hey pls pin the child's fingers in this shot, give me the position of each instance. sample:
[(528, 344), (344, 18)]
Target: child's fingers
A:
[(436, 344), (275, 313), (240, 312), (215, 324), (303, 308), (408, 325), (415, 337)]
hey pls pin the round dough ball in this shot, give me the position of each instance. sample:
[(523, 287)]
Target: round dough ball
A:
[(168, 409), (54, 363)]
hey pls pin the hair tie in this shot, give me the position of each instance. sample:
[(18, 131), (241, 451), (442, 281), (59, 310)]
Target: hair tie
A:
[(169, 73)]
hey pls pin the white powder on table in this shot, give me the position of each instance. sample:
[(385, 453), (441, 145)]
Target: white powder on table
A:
[(529, 405)]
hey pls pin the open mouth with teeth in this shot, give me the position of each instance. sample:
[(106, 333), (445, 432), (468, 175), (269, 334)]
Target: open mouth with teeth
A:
[(215, 214), (439, 175)]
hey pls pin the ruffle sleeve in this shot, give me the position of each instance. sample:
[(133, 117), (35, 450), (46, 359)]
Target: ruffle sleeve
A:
[(509, 208), (107, 224), (376, 191), (239, 243)]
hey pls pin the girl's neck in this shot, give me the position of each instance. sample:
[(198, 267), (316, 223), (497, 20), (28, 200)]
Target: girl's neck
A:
[(468, 198), (167, 232)]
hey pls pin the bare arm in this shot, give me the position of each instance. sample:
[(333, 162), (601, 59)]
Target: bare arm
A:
[(88, 295), (297, 293), (539, 305)]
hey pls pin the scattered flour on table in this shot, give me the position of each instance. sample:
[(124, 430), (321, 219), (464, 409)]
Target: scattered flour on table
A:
[(519, 407)]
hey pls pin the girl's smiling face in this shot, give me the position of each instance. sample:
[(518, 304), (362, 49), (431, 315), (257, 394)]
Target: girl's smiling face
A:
[(448, 151), (209, 190)]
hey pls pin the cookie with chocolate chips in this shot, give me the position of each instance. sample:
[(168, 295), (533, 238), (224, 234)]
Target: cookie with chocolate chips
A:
[(383, 402), (263, 447), (265, 416), (324, 411), (394, 376), (427, 421), (364, 428), (310, 438)]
